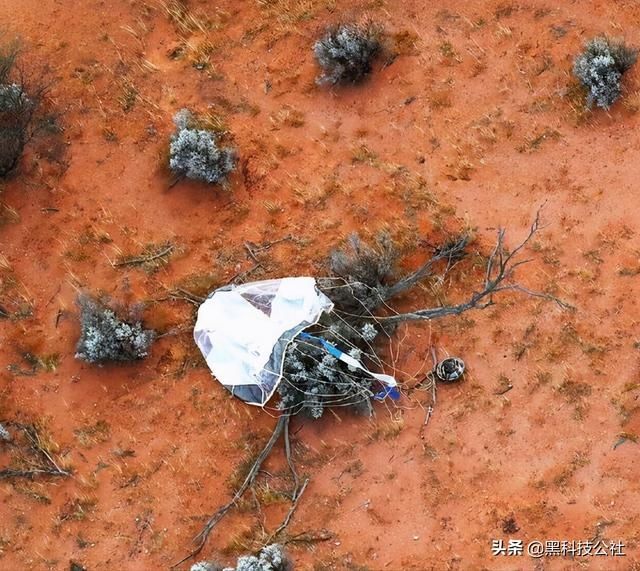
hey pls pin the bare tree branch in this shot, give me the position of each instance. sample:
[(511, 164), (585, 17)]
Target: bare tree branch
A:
[(450, 251), (295, 501), (202, 537), (499, 271)]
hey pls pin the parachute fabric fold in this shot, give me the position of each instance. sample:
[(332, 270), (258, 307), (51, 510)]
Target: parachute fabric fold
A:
[(243, 331)]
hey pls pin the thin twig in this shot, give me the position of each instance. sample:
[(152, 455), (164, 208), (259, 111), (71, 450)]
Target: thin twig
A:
[(175, 181), (241, 275), (144, 259), (292, 509), (503, 391), (432, 377), (306, 537), (267, 245), (253, 249), (34, 437), (185, 295), (30, 474), (251, 253)]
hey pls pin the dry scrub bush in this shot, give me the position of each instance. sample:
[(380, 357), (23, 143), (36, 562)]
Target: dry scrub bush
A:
[(270, 558), (195, 153), (345, 52), (314, 379), (367, 280), (21, 101), (105, 337), (600, 68)]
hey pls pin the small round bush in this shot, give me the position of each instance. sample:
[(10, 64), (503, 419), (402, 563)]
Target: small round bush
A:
[(18, 107), (345, 52), (271, 558), (194, 153), (600, 68), (104, 337)]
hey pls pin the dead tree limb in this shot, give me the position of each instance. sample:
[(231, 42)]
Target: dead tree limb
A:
[(298, 488), (499, 273), (292, 468), (296, 500), (451, 251), (202, 537)]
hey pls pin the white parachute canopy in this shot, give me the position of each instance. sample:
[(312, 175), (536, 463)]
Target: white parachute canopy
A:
[(243, 331)]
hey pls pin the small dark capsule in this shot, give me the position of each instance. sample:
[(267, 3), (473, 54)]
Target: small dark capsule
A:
[(450, 370)]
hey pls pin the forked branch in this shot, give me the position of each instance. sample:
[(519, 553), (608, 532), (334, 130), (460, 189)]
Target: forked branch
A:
[(499, 274)]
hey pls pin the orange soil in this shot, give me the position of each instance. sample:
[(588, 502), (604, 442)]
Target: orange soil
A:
[(471, 124)]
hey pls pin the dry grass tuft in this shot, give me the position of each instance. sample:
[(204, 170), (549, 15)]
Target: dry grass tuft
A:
[(185, 20), (388, 430), (91, 434)]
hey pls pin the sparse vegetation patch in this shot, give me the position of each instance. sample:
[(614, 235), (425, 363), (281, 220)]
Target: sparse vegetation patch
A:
[(196, 153), (600, 68), (105, 337), (19, 105), (270, 558), (345, 53)]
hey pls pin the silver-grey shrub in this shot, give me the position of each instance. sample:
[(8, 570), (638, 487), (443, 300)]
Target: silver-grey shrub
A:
[(271, 558), (600, 68), (4, 434), (345, 52), (314, 380), (18, 107), (195, 153), (105, 337)]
